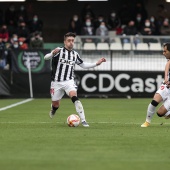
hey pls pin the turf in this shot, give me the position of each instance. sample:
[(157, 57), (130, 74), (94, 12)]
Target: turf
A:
[(30, 140)]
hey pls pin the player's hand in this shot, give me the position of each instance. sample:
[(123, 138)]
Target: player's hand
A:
[(101, 61), (55, 51)]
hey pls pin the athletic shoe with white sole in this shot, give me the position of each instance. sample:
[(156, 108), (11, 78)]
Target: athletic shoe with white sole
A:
[(52, 113), (85, 124), (146, 124), (167, 117)]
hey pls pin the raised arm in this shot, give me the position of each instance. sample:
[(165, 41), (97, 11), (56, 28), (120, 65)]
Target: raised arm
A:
[(53, 53), (92, 65)]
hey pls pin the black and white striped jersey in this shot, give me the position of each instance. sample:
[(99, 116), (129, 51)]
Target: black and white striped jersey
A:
[(63, 64)]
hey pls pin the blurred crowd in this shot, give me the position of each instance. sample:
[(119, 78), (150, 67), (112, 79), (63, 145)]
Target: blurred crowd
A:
[(18, 31), (125, 21)]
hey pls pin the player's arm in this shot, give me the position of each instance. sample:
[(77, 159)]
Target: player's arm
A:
[(53, 53), (92, 65), (166, 76)]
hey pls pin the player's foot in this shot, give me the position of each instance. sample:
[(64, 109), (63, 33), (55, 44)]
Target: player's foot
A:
[(52, 113), (167, 117), (84, 123), (146, 124)]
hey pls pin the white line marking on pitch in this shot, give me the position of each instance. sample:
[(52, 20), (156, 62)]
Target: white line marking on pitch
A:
[(130, 123), (16, 104)]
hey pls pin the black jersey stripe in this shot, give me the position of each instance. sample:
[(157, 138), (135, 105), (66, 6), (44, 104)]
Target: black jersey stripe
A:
[(67, 67)]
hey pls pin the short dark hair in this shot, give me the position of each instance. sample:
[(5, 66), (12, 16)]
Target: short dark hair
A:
[(167, 45), (69, 34)]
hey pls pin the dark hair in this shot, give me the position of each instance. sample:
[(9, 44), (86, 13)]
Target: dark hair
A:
[(167, 45), (69, 34)]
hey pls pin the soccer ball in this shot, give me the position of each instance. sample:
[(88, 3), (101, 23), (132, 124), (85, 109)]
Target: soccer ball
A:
[(73, 120)]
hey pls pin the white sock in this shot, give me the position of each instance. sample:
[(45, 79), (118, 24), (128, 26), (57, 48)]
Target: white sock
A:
[(150, 112), (167, 113), (80, 110)]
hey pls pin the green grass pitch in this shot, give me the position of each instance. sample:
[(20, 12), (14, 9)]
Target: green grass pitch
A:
[(30, 140)]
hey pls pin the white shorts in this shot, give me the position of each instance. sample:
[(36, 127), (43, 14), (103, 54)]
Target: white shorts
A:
[(58, 89), (164, 92)]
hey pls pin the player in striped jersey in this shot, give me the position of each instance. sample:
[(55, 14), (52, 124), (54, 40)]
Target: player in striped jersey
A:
[(162, 94), (62, 75)]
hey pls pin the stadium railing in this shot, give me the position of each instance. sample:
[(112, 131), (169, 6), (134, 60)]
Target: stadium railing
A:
[(138, 53)]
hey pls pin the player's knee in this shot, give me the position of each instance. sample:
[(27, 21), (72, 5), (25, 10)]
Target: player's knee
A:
[(154, 103), (74, 98), (159, 114)]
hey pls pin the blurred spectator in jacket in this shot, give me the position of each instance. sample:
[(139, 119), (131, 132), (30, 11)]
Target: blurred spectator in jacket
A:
[(102, 30), (140, 9), (139, 22), (128, 30), (4, 34), (165, 30), (113, 21), (22, 43), (22, 13), (125, 14), (88, 29), (162, 13), (148, 30), (10, 14), (23, 32), (75, 25), (36, 41), (98, 21), (155, 25), (35, 24), (87, 12)]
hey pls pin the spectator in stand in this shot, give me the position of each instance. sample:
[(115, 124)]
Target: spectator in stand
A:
[(102, 30), (4, 34), (23, 45), (162, 13), (12, 28), (23, 32), (87, 12), (35, 24), (148, 30), (125, 14), (2, 54), (113, 21), (140, 9), (75, 25), (130, 29), (165, 30), (10, 14), (14, 41), (139, 22), (88, 29), (22, 13), (36, 41), (155, 25), (98, 21)]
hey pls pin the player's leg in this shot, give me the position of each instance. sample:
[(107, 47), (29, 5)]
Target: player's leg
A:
[(151, 109), (161, 95), (56, 94), (79, 107), (164, 110), (71, 91)]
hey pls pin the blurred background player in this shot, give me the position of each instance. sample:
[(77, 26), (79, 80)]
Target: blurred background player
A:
[(162, 94)]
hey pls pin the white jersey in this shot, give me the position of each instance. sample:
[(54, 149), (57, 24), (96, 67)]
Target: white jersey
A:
[(63, 64)]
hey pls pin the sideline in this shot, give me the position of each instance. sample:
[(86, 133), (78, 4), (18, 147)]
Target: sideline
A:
[(16, 104)]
